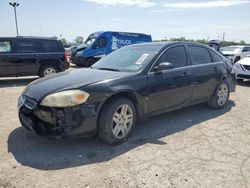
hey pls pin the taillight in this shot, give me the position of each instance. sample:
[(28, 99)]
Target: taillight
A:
[(65, 56)]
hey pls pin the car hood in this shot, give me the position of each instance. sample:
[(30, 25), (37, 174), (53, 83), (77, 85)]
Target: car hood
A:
[(229, 53), (69, 80), (245, 61)]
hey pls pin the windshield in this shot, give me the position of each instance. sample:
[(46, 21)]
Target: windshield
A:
[(81, 46), (90, 40), (232, 49), (128, 59)]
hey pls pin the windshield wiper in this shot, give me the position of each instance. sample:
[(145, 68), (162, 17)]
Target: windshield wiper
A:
[(109, 69)]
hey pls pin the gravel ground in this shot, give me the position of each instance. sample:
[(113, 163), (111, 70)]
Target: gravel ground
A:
[(192, 147)]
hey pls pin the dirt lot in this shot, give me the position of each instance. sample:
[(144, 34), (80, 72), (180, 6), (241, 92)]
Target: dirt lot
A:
[(193, 147)]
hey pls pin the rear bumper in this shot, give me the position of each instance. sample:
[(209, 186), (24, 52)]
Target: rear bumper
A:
[(241, 72), (64, 122), (232, 82), (65, 65)]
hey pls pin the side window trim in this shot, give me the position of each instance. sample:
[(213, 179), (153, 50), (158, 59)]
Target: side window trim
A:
[(32, 41), (169, 47)]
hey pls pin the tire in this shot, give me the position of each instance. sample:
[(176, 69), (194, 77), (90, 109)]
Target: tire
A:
[(236, 59), (116, 131), (89, 62), (48, 70), (220, 96)]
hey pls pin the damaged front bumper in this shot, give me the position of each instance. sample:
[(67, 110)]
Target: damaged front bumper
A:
[(69, 121)]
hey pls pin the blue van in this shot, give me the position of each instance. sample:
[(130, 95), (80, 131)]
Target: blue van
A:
[(100, 44)]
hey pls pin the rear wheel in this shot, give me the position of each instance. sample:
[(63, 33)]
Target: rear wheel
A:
[(220, 96), (48, 70), (116, 120)]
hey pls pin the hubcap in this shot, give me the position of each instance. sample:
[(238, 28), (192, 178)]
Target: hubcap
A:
[(122, 121), (49, 71), (222, 94)]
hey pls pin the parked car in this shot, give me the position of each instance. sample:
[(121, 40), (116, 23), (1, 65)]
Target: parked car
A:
[(128, 85), (242, 69), (28, 56), (216, 44), (235, 53), (100, 44)]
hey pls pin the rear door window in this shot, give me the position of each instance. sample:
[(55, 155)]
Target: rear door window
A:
[(26, 46), (50, 46), (215, 57), (199, 55), (175, 55), (5, 46)]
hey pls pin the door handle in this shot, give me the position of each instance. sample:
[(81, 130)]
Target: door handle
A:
[(216, 69), (186, 73)]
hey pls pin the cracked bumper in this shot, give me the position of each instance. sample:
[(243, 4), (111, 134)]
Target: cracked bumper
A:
[(70, 121)]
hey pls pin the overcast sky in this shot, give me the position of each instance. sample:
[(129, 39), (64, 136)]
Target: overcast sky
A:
[(203, 19)]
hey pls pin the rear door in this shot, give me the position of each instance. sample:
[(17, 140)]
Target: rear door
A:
[(6, 54), (26, 57), (170, 89), (52, 50), (206, 72)]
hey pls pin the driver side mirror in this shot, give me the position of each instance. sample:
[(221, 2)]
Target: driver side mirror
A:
[(164, 66)]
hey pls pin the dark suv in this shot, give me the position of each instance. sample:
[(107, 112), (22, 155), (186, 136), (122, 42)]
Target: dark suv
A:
[(28, 56)]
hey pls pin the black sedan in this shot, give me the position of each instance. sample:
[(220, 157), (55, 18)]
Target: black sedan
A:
[(128, 85)]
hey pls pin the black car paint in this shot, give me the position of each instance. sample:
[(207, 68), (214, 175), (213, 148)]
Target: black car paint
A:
[(15, 63), (152, 92)]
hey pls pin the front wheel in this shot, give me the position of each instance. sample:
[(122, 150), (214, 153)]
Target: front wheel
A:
[(220, 96), (116, 120)]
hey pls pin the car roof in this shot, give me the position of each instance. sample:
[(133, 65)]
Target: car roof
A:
[(169, 43), (28, 37)]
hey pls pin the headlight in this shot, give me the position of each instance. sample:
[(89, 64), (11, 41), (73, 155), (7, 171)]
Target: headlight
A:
[(65, 98)]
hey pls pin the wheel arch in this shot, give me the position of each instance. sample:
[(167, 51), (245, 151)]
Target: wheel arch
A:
[(135, 98), (45, 62)]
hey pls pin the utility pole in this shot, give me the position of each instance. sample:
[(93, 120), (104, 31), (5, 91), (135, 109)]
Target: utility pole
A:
[(14, 4), (223, 38)]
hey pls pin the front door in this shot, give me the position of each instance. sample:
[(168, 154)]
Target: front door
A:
[(170, 89), (100, 48)]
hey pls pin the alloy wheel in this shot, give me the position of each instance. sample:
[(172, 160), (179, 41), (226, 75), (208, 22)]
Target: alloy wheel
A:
[(49, 71), (222, 94), (123, 119)]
